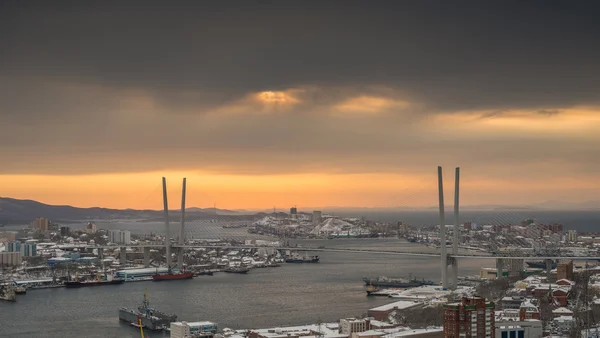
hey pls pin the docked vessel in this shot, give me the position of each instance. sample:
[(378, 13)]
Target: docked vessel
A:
[(382, 281), (109, 280), (302, 259), (78, 284), (239, 269), (20, 290), (204, 273), (170, 275), (147, 317), (373, 291)]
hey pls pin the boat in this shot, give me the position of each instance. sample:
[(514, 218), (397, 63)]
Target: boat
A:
[(303, 259), (239, 269), (541, 264), (138, 279), (78, 284), (20, 290), (204, 273), (108, 280), (170, 275), (147, 317), (383, 281), (373, 291)]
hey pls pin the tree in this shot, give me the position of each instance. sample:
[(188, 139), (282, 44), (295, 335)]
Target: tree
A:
[(493, 290)]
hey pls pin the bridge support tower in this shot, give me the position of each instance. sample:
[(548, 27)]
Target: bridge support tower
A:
[(123, 255), (445, 259), (182, 227), (146, 257), (167, 232)]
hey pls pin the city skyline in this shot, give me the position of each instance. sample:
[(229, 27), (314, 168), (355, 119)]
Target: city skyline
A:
[(299, 103)]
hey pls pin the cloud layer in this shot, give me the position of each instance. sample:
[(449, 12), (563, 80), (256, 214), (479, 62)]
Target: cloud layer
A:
[(506, 89)]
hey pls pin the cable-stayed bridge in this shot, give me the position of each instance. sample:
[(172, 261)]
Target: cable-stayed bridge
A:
[(536, 240)]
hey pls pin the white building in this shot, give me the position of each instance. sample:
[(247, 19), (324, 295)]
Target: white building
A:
[(180, 330), (572, 236), (531, 328), (351, 325), (119, 236)]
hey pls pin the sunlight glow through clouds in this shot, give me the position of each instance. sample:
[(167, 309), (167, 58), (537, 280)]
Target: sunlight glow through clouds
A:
[(577, 121), (370, 105)]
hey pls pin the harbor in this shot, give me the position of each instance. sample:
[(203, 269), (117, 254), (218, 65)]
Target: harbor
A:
[(254, 301)]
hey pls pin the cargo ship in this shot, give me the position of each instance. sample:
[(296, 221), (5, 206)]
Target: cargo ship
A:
[(146, 316), (382, 281), (170, 275), (304, 259), (98, 282)]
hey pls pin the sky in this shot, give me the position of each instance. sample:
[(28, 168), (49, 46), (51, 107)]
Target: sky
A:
[(307, 103)]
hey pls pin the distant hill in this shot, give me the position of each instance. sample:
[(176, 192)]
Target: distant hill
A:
[(24, 211)]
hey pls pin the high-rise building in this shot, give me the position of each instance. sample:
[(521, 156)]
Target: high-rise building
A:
[(29, 250), (9, 236), (316, 218), (472, 317), (65, 231), (572, 236), (565, 271), (14, 246), (91, 228), (42, 224), (294, 213), (10, 258), (119, 236)]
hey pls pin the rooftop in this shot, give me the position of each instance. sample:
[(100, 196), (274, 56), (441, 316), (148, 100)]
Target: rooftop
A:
[(400, 305)]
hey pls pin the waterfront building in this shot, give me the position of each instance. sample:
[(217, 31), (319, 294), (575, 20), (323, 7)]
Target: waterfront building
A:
[(351, 325), (472, 317)]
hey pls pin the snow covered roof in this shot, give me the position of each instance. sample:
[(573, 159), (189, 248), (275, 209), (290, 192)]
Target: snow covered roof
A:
[(400, 305), (566, 281), (562, 310)]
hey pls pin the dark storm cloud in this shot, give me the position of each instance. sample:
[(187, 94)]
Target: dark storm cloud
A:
[(115, 86), (453, 55)]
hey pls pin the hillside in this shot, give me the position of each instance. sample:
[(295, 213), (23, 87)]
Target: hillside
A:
[(24, 211)]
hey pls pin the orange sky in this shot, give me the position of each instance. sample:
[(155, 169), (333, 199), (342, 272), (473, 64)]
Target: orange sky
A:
[(372, 152)]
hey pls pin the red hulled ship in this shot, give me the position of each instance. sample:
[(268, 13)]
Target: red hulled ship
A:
[(172, 276)]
